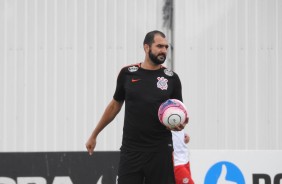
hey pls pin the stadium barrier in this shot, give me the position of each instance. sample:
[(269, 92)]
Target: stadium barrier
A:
[(207, 167)]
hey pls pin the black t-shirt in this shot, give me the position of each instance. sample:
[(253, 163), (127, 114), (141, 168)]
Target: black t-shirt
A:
[(143, 92)]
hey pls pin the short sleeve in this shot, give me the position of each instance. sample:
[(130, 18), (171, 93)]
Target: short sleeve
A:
[(119, 94), (177, 91)]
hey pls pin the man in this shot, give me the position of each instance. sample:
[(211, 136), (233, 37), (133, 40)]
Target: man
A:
[(181, 158), (146, 151)]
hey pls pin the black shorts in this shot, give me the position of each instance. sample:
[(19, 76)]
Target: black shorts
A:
[(146, 167)]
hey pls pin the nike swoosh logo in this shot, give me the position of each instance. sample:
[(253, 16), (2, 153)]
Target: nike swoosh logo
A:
[(135, 80)]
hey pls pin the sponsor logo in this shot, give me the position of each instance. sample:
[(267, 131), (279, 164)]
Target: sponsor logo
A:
[(228, 173), (35, 180), (257, 178), (224, 173), (162, 83), (133, 68), (168, 72)]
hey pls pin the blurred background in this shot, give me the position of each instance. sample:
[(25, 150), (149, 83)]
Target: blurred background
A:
[(59, 60)]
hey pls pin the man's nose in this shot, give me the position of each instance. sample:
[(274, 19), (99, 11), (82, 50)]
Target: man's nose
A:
[(164, 50)]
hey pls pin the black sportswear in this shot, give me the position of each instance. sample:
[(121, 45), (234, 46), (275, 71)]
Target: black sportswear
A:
[(143, 92)]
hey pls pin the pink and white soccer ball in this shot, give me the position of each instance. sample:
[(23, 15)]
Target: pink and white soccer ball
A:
[(172, 112)]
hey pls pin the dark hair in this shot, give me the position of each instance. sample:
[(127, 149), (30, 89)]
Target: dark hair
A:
[(149, 38)]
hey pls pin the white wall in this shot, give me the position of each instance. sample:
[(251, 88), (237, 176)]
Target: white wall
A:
[(229, 54), (59, 61), (58, 66)]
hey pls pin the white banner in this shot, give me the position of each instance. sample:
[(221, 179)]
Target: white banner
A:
[(236, 167)]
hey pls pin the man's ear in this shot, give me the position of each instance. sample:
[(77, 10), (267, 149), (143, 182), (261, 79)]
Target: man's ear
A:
[(146, 48)]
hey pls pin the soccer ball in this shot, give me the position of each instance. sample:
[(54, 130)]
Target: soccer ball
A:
[(172, 112)]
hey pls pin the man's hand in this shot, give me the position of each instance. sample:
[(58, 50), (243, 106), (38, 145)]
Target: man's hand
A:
[(186, 121), (186, 138), (180, 126), (90, 145)]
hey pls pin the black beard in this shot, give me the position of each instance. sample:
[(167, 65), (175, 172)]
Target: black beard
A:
[(155, 58)]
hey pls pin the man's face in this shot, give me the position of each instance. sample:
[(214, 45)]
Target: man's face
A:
[(158, 50)]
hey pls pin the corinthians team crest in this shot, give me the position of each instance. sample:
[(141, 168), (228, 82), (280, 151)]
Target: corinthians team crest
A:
[(162, 83)]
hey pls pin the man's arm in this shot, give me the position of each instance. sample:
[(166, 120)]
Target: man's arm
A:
[(109, 114)]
